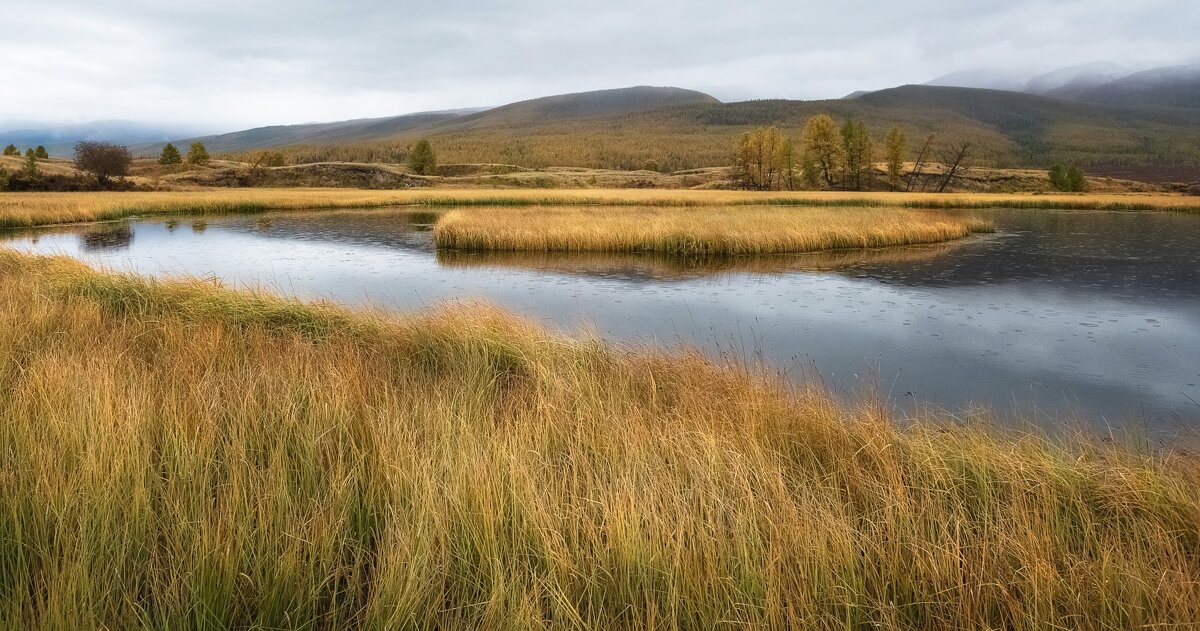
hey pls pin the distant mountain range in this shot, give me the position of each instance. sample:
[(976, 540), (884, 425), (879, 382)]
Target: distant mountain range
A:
[(1103, 83), (60, 140), (1091, 116)]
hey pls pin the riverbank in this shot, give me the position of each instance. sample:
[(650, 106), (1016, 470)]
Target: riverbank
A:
[(730, 231), (34, 209), (178, 455)]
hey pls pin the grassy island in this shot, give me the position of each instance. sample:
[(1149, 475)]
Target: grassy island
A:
[(737, 230), (177, 455)]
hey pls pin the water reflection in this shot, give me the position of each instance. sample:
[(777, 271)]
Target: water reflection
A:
[(662, 267), (1060, 311), (117, 236)]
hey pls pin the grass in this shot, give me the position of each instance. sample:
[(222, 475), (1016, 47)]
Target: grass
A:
[(730, 231), (34, 209), (180, 456)]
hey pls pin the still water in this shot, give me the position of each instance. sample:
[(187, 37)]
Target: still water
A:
[(1095, 315)]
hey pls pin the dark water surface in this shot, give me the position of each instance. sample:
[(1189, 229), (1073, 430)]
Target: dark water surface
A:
[(1094, 313)]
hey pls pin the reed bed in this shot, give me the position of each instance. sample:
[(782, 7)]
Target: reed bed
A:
[(33, 209), (730, 231), (181, 456)]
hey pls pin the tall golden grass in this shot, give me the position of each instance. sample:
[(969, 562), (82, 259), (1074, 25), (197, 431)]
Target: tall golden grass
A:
[(737, 230), (33, 209), (180, 456)]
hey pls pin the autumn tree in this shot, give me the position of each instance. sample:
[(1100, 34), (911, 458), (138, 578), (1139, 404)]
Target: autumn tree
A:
[(170, 155), (858, 152), (198, 154), (105, 160), (3, 178), (40, 153), (896, 145), (765, 160), (822, 151), (421, 158), (11, 150)]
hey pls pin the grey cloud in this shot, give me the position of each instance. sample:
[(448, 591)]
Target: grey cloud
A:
[(245, 62)]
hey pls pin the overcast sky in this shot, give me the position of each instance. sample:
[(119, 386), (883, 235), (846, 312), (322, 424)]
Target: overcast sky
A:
[(227, 64)]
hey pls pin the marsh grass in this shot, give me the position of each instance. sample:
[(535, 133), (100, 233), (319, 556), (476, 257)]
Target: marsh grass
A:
[(727, 231), (177, 455), (19, 210)]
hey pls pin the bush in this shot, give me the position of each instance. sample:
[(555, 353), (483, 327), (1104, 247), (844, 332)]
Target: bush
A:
[(3, 179), (11, 150)]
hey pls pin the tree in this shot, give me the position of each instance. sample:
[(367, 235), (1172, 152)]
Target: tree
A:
[(822, 150), (170, 155), (105, 160), (40, 153), (755, 161), (1075, 180), (954, 159), (30, 168), (859, 154), (787, 164), (920, 164), (12, 150), (896, 144), (3, 179), (198, 154), (421, 158), (1067, 179)]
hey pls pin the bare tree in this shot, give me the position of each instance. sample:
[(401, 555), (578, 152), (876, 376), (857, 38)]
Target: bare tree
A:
[(103, 159), (954, 159), (921, 163)]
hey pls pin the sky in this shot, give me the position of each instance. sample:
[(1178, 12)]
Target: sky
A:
[(230, 64)]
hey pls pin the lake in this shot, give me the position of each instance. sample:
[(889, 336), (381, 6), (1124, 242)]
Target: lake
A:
[(1094, 316)]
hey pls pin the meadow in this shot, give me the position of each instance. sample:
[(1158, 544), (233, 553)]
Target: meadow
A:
[(729, 231), (178, 455), (33, 209)]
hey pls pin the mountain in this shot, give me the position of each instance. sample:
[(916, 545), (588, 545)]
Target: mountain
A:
[(60, 140), (541, 111), (310, 133), (673, 130), (1099, 83), (1176, 86)]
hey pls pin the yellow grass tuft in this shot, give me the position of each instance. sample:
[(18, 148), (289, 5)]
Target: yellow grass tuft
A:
[(738, 230), (179, 456)]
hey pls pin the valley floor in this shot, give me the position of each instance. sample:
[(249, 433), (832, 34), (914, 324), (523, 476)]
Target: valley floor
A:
[(181, 456)]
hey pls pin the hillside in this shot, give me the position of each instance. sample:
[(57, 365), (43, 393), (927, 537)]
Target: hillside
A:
[(671, 129), (690, 130)]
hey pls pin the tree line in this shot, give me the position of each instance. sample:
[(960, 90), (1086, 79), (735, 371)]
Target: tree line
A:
[(833, 156)]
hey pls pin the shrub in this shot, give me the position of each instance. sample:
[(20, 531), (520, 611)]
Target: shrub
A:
[(1067, 179)]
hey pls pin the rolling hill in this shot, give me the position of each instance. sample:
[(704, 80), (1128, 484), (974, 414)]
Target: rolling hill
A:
[(672, 129)]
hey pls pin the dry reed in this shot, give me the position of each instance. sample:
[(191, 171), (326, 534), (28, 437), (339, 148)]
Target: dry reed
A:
[(176, 455)]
